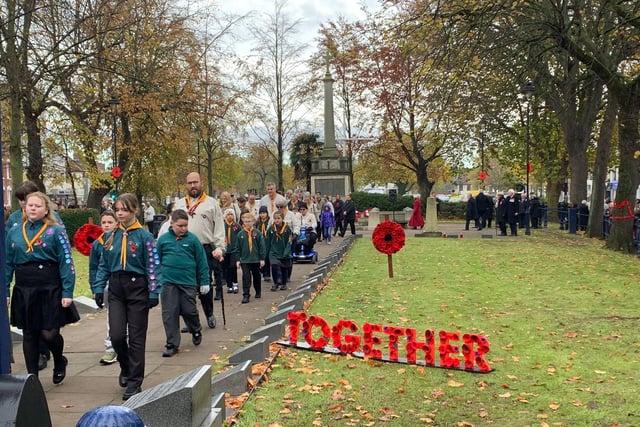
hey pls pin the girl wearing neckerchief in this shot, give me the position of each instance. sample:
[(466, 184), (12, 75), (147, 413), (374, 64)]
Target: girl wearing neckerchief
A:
[(229, 269), (262, 225), (132, 266), (251, 253), (279, 238), (39, 254)]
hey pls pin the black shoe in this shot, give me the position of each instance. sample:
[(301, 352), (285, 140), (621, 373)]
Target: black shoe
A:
[(283, 287), (218, 296), (170, 351), (184, 330), (245, 299), (258, 296), (211, 321), (197, 338), (42, 362), (266, 279), (60, 372), (131, 391), (122, 379), (274, 287)]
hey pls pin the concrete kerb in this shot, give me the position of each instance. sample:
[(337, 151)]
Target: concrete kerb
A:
[(273, 331), (323, 270), (256, 350), (184, 400), (303, 290), (85, 305), (279, 315), (312, 284), (234, 380), (297, 301), (318, 276)]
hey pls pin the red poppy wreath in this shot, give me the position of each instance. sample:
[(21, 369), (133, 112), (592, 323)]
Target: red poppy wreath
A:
[(388, 238), (85, 236)]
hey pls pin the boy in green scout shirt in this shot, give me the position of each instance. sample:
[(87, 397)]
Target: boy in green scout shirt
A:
[(184, 266)]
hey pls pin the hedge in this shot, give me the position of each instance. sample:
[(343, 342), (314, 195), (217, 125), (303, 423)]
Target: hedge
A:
[(365, 201), (451, 210), (76, 218)]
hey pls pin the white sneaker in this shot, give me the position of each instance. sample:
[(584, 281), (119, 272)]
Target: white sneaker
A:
[(108, 358)]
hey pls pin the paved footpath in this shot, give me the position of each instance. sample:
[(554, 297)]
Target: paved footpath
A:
[(89, 384)]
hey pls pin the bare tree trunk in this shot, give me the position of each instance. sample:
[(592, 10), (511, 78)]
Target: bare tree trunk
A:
[(620, 238), (34, 144), (603, 151)]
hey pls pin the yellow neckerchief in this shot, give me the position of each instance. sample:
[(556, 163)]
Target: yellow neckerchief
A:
[(249, 230), (36, 237), (191, 210), (123, 246), (229, 231), (263, 227), (100, 239), (280, 232)]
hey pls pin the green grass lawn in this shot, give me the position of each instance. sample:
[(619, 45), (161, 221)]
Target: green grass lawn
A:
[(81, 263), (560, 312)]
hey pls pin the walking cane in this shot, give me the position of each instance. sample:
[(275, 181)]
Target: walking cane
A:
[(224, 318)]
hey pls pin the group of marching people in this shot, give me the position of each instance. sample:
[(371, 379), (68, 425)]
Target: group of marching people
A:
[(198, 252)]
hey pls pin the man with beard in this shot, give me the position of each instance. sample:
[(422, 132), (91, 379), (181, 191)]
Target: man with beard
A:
[(206, 222)]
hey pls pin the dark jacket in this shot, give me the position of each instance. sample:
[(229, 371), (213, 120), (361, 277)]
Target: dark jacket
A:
[(501, 210), (483, 204), (349, 210), (512, 209), (471, 210)]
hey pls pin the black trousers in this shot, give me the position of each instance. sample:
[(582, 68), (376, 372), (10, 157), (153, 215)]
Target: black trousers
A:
[(129, 317), (351, 222), (179, 300), (281, 271), (251, 271), (229, 270)]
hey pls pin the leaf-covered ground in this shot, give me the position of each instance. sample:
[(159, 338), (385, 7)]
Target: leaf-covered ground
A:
[(561, 314)]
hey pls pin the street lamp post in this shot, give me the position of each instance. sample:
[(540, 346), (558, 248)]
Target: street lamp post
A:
[(528, 90), (199, 132), (483, 173), (114, 103)]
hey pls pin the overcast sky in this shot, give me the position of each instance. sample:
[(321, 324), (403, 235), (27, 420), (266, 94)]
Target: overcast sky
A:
[(311, 12)]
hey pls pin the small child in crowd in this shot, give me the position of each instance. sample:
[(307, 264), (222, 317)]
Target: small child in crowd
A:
[(327, 222), (262, 225), (251, 253), (184, 266), (229, 269), (279, 239), (108, 222)]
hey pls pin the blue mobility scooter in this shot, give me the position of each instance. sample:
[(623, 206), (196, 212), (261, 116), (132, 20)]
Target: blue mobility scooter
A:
[(303, 246)]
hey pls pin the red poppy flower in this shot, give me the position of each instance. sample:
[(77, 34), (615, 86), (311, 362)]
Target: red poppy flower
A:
[(85, 236), (388, 237)]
